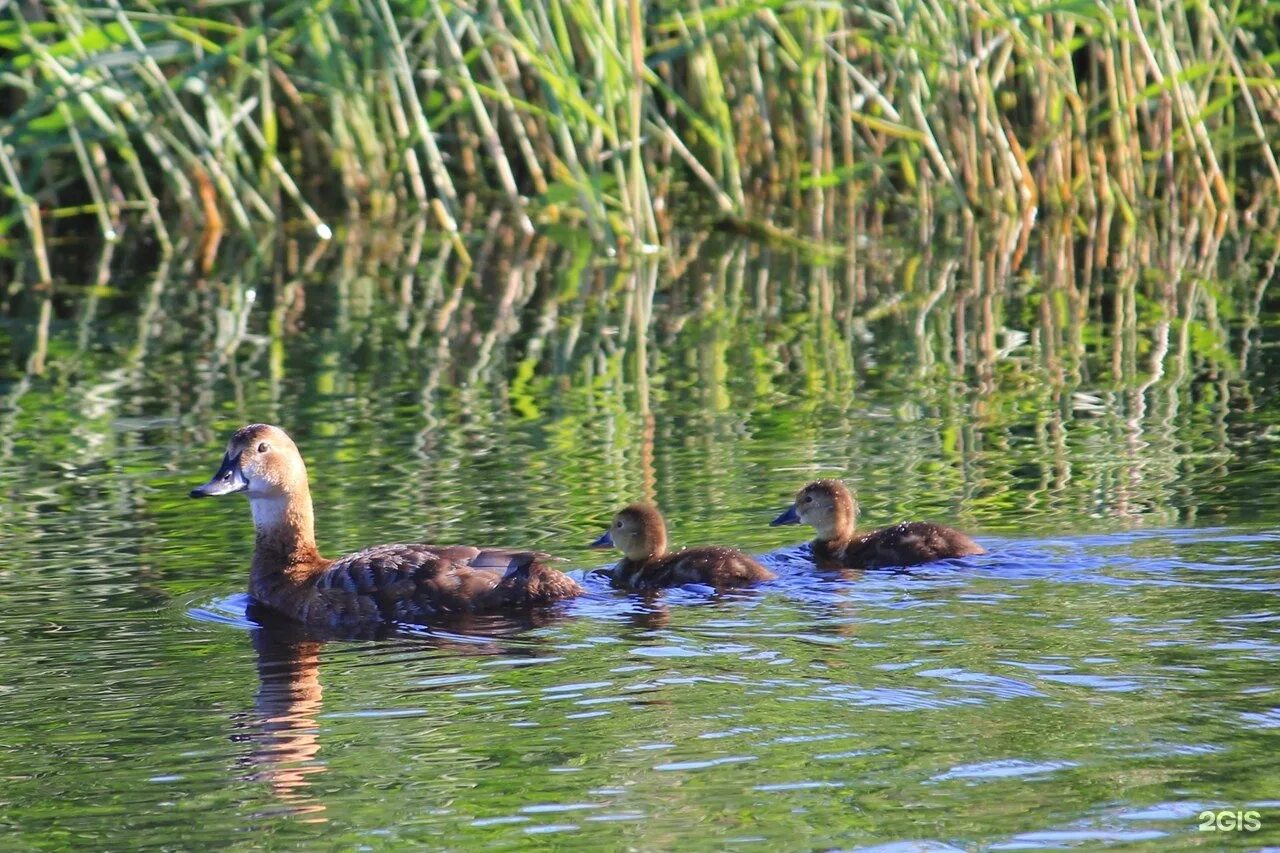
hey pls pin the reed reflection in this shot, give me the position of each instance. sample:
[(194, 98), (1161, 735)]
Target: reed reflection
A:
[(1087, 365)]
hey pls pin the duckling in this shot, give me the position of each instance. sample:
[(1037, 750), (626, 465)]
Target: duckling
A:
[(639, 532), (386, 583), (829, 507)]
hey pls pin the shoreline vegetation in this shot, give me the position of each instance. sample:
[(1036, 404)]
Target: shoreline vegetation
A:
[(799, 121)]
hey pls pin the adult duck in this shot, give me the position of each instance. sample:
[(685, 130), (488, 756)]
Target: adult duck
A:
[(385, 583)]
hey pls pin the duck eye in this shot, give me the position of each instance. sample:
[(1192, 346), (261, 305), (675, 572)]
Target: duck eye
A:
[(618, 524), (808, 499), (263, 447)]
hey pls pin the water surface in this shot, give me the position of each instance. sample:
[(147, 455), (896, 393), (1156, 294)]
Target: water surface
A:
[(1100, 678)]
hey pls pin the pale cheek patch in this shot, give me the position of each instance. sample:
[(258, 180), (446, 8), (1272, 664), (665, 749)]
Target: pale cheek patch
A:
[(263, 480), (630, 543), (823, 520)]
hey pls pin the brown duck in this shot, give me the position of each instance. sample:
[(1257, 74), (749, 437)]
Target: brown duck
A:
[(829, 507), (639, 532), (386, 583)]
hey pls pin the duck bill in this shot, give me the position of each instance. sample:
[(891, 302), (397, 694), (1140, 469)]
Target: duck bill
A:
[(605, 541), (229, 480), (791, 516)]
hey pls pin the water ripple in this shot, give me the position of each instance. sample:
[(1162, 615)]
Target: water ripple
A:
[(1047, 665)]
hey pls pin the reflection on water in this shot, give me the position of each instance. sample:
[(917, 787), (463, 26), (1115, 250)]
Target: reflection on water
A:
[(1104, 372), (283, 729), (1097, 403)]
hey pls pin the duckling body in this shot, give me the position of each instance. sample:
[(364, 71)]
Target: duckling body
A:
[(830, 508), (386, 583), (719, 567), (641, 534), (911, 543)]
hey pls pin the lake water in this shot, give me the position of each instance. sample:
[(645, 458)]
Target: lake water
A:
[(1102, 415)]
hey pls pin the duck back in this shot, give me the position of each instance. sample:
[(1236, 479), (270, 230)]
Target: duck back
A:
[(415, 582), (723, 568), (911, 543)]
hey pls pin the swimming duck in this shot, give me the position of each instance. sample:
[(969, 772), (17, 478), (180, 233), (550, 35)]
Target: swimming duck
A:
[(639, 532), (828, 506), (386, 583)]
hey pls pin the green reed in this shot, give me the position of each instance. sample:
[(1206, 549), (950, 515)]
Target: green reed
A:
[(619, 116)]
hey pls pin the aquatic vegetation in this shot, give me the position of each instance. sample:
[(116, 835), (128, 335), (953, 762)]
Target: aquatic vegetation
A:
[(622, 117)]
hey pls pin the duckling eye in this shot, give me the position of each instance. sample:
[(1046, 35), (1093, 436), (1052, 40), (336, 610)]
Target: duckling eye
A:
[(808, 499), (263, 447)]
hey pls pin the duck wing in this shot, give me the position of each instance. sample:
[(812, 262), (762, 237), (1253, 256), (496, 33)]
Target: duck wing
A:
[(496, 559), (911, 543), (412, 582), (715, 566)]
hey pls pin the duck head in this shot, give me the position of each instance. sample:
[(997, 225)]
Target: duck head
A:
[(262, 461), (825, 505), (638, 531)]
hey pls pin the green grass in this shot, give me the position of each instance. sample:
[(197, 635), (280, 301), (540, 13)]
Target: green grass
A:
[(621, 117)]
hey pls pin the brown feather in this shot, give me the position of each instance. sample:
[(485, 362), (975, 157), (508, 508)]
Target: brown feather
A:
[(411, 583)]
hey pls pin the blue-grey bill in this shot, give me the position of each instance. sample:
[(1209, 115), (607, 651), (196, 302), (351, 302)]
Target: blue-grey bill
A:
[(791, 516), (229, 480)]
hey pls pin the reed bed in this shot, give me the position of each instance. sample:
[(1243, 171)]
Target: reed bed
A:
[(623, 117)]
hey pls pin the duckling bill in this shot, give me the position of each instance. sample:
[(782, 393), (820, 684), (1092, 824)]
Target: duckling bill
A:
[(640, 533), (386, 583), (829, 507)]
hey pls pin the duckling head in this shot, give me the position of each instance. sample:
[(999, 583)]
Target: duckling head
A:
[(825, 505), (638, 531), (262, 461)]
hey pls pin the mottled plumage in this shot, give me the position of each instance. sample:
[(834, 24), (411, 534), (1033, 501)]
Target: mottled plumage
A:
[(641, 534), (383, 584), (830, 508)]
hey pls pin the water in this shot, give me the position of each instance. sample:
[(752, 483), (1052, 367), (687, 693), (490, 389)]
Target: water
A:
[(1103, 676)]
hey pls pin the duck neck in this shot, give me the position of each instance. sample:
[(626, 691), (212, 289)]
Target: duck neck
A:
[(838, 536), (644, 559), (636, 562), (830, 548), (284, 538), (657, 540)]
